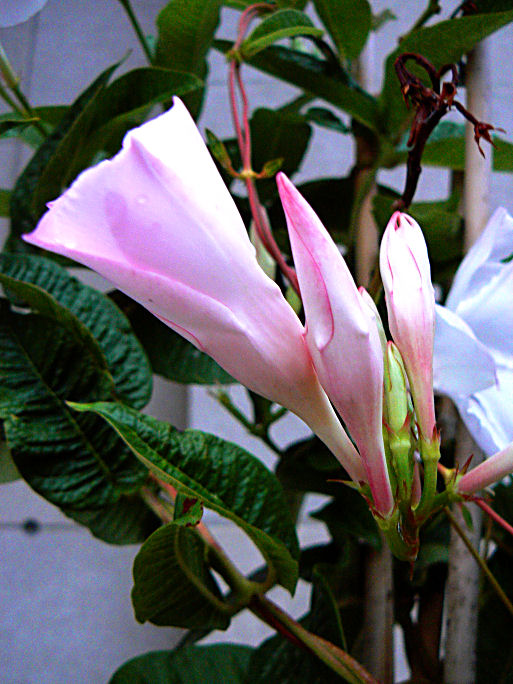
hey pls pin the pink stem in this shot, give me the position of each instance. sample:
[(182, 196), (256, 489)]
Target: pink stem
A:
[(494, 515)]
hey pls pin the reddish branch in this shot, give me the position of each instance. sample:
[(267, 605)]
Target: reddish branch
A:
[(431, 103)]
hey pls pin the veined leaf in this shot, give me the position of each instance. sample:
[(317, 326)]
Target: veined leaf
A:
[(173, 585), (222, 475)]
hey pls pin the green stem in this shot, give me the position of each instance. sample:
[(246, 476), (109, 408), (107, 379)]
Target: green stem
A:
[(432, 9), (137, 28), (430, 454), (335, 658), (480, 561), (398, 545)]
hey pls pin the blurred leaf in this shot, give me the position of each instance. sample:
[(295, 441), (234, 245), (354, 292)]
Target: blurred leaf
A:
[(170, 355), (218, 150), (285, 23), (126, 360), (349, 515), (185, 31), (442, 43), (326, 119), (8, 470), (24, 214), (173, 585), (218, 664), (10, 124), (187, 511), (348, 23), (381, 18), (5, 198), (317, 78), (225, 477)]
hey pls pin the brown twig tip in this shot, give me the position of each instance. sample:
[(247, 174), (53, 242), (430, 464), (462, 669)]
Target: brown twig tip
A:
[(431, 103)]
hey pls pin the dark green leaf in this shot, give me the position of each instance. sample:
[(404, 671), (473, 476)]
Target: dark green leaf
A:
[(126, 521), (5, 199), (8, 471), (326, 119), (225, 477), (348, 23), (285, 23), (349, 515), (110, 329), (11, 124), (218, 664), (32, 136), (442, 43), (173, 585), (74, 461), (185, 32), (171, 355), (316, 77)]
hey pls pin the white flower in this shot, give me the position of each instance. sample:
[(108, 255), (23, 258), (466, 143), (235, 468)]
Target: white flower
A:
[(473, 362)]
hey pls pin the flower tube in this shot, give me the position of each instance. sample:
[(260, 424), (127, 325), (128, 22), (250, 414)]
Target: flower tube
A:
[(488, 472), (342, 337), (410, 299), (159, 223)]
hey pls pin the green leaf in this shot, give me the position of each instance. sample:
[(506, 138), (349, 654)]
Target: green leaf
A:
[(24, 211), (442, 43), (348, 23), (74, 461), (285, 23), (8, 470), (218, 150), (126, 360), (11, 124), (187, 511), (5, 198), (326, 119), (218, 664), (315, 77), (126, 521), (32, 136), (170, 355), (225, 477), (173, 585), (381, 18), (185, 31)]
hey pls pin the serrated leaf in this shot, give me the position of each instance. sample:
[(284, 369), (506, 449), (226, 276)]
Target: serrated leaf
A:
[(285, 23), (173, 585), (442, 43), (125, 358), (315, 77), (348, 23), (75, 462), (185, 31), (225, 477), (217, 664)]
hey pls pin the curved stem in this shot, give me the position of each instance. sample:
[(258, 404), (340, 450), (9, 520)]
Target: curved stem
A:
[(335, 658), (137, 29)]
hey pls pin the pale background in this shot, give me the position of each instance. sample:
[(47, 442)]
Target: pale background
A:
[(65, 613)]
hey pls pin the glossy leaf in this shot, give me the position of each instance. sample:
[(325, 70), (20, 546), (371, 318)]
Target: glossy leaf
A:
[(217, 664), (185, 31), (286, 23), (314, 76), (172, 582), (74, 461), (348, 23), (225, 477), (81, 305)]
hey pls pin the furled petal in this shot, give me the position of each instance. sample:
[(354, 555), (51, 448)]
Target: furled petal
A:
[(490, 471), (14, 12), (158, 221), (461, 364), (406, 275), (342, 336), (484, 261)]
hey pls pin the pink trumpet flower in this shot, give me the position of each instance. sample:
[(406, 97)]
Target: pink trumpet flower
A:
[(410, 299), (159, 223), (342, 337)]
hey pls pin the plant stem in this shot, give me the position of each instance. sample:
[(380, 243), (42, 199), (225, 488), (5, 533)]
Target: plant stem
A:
[(332, 656), (137, 29), (484, 567), (432, 9)]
